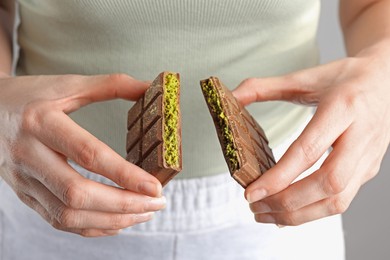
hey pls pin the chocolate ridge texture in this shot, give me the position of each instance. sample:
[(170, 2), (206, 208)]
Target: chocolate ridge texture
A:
[(243, 141), (154, 129)]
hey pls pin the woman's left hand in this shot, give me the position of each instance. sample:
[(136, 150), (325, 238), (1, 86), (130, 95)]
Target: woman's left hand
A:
[(353, 116)]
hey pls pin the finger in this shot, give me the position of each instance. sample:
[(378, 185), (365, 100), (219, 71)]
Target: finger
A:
[(36, 206), (78, 192), (331, 179), (328, 123), (81, 219), (302, 87), (93, 232), (331, 206), (57, 131), (89, 89)]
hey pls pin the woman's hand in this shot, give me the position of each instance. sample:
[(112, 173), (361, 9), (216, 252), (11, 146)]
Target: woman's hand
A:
[(37, 137), (353, 117)]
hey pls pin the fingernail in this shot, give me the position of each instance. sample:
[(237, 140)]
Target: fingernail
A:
[(265, 218), (143, 217), (280, 226), (256, 195), (149, 188), (156, 204), (261, 207)]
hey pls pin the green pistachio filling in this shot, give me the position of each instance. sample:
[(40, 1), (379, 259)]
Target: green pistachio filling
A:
[(214, 103), (171, 125)]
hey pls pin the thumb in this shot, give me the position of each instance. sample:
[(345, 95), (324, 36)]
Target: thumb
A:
[(105, 87), (302, 87), (263, 89)]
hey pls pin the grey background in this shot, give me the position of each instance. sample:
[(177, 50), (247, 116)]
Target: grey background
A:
[(367, 221)]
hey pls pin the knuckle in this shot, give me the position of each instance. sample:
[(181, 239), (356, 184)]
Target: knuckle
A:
[(287, 205), (24, 198), (280, 182), (20, 183), (113, 80), (310, 151), (373, 170), (87, 233), (91, 232), (18, 153), (29, 117), (55, 224), (353, 99), (121, 178), (86, 154), (291, 219), (335, 183), (253, 207), (74, 196), (35, 115), (117, 78), (128, 206), (339, 205), (66, 218), (251, 82), (21, 195), (117, 221)]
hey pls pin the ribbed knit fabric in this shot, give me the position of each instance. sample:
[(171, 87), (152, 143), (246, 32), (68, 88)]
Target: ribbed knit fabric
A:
[(231, 39)]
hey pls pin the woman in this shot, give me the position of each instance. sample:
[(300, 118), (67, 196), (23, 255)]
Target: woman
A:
[(206, 216)]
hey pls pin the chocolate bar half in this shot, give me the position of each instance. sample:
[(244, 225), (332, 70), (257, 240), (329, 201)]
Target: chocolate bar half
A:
[(154, 129), (243, 141)]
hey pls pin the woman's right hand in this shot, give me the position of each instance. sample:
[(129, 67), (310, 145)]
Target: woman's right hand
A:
[(37, 137)]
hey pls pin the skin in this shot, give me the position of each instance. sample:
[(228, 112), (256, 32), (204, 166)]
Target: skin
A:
[(352, 96), (37, 137), (352, 109)]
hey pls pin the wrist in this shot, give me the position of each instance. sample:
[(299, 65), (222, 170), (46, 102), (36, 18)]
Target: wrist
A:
[(379, 49)]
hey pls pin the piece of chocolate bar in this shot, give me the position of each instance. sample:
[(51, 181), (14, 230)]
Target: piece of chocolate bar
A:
[(244, 144), (154, 129)]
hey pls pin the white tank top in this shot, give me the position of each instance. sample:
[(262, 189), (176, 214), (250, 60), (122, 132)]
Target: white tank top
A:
[(230, 39)]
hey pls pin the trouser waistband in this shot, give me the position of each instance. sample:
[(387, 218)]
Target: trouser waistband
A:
[(200, 204), (194, 204)]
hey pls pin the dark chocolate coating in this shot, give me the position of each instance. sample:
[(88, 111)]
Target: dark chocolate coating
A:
[(254, 155), (145, 126)]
